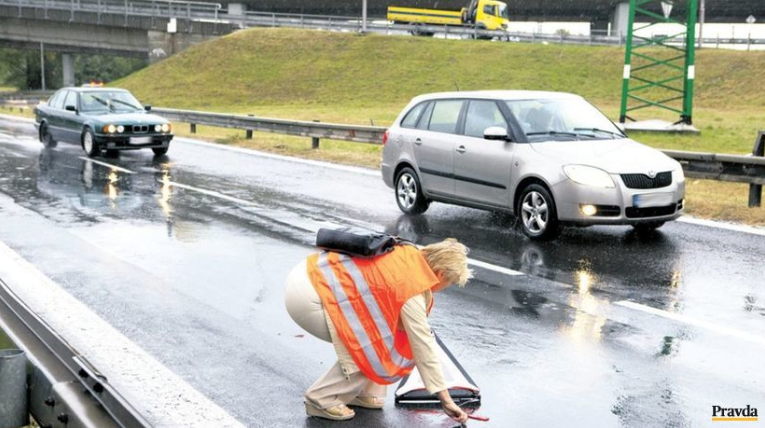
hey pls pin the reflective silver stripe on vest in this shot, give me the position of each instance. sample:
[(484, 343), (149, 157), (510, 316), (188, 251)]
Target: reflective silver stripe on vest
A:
[(374, 309), (353, 319)]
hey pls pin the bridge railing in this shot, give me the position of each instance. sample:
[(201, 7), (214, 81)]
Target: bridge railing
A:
[(147, 8)]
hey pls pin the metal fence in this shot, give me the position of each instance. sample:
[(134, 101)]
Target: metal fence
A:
[(710, 166), (149, 8), (64, 388)]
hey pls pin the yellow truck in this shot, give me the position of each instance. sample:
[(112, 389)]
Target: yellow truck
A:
[(484, 14)]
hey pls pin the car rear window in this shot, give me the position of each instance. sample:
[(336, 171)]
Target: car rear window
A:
[(445, 115), (410, 121)]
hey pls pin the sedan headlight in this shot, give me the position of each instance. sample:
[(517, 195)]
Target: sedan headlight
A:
[(588, 176), (157, 128), (120, 128), (166, 127), (111, 129)]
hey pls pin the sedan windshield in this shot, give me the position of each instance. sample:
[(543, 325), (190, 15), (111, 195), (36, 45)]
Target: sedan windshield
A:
[(109, 102), (563, 119)]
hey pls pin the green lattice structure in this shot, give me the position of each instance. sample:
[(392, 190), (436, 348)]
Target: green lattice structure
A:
[(659, 70)]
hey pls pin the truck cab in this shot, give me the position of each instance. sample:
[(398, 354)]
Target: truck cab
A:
[(487, 14)]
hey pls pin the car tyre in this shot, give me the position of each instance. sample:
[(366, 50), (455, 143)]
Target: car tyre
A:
[(46, 138), (537, 213), (160, 151), (89, 144), (648, 226), (409, 196)]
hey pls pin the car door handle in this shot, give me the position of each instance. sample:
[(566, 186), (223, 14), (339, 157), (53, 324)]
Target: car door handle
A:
[(418, 141), (461, 149)]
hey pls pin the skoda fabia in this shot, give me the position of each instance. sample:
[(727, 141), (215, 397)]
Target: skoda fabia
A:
[(550, 158)]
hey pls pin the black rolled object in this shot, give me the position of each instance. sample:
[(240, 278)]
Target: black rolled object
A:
[(356, 242)]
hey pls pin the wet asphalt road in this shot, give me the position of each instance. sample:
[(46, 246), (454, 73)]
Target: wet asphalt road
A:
[(187, 257)]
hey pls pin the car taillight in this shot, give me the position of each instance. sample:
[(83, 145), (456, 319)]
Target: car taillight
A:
[(385, 137)]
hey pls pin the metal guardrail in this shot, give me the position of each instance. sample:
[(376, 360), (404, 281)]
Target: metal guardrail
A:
[(65, 389), (149, 8), (315, 130), (355, 23), (190, 16), (710, 166)]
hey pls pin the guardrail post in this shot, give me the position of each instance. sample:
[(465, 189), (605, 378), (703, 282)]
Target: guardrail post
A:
[(755, 190), (13, 393), (315, 141), (248, 133), (193, 128)]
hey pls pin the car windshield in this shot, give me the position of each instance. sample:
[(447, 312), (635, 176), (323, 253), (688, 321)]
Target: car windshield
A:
[(109, 102), (562, 119)]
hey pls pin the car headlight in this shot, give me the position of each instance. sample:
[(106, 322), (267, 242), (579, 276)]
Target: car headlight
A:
[(120, 128), (588, 176), (166, 127), (111, 129), (157, 128)]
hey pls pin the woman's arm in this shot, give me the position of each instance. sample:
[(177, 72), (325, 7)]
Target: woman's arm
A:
[(414, 317)]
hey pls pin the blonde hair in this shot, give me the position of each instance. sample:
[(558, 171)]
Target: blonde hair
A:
[(449, 258)]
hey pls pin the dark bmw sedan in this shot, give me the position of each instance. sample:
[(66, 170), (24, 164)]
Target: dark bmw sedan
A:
[(101, 119)]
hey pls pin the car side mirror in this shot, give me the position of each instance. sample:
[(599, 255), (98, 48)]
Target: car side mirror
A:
[(147, 107), (496, 133), (71, 108)]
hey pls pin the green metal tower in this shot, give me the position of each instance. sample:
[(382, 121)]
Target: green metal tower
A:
[(659, 70)]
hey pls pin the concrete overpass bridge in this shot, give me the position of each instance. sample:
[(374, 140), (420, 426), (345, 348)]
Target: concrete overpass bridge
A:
[(136, 28)]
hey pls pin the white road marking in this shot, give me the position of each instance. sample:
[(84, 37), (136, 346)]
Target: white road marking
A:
[(153, 389), (219, 195), (108, 165), (210, 193), (693, 321), (495, 268), (721, 225)]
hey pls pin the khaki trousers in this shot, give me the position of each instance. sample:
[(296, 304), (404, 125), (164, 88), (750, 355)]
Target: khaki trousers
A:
[(343, 381)]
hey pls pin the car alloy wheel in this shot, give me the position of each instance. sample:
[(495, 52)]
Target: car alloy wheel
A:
[(537, 212), (89, 143), (409, 193)]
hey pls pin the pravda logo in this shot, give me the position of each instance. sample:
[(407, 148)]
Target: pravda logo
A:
[(738, 414)]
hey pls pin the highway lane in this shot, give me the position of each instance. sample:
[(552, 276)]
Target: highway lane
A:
[(186, 255)]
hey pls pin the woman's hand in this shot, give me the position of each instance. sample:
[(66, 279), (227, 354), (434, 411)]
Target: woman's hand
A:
[(450, 408)]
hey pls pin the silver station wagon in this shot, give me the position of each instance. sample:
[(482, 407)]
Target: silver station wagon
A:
[(550, 158)]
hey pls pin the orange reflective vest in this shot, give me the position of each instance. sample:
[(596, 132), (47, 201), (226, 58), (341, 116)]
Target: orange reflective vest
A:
[(364, 297)]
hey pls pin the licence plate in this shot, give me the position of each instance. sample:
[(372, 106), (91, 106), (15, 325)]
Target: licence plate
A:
[(140, 140), (647, 200)]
